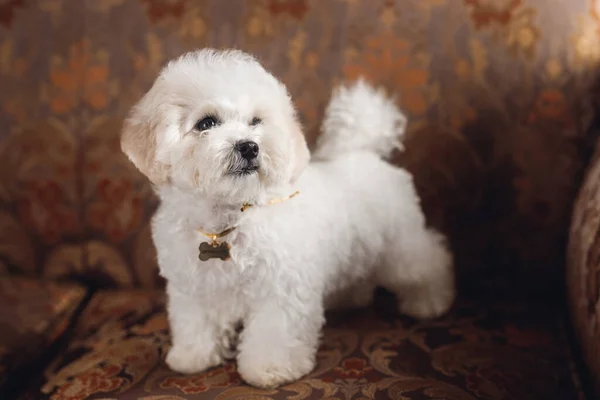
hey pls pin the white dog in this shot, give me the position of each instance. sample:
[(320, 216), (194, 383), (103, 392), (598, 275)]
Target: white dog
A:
[(218, 137)]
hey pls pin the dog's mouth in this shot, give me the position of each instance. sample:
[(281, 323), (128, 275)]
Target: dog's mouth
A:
[(245, 171), (241, 167)]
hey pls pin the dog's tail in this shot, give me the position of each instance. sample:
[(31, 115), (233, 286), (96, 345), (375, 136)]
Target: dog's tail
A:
[(358, 118)]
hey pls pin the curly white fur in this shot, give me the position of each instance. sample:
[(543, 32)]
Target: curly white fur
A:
[(357, 222), (360, 117)]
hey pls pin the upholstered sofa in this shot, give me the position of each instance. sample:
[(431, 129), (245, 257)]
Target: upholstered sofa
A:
[(504, 109)]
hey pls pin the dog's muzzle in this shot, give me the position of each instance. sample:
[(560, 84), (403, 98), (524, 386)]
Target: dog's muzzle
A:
[(245, 158), (247, 149)]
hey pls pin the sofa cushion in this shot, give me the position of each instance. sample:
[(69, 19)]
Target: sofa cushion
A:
[(477, 351), (583, 270), (33, 315)]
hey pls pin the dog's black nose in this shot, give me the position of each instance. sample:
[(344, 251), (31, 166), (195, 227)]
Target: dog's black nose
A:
[(248, 149)]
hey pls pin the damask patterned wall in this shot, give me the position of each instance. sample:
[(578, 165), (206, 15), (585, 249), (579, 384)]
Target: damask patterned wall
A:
[(497, 92)]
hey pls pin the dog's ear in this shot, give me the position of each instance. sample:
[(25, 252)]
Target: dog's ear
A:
[(139, 139), (300, 151)]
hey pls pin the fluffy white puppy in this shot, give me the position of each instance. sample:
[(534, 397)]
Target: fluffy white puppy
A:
[(217, 131)]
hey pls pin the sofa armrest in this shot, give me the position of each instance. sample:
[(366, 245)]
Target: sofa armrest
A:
[(33, 316)]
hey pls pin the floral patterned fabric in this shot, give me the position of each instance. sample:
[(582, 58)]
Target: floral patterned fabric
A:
[(583, 270), (482, 351), (497, 92), (33, 315)]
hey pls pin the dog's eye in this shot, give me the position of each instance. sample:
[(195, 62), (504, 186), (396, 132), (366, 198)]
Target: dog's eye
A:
[(256, 121), (206, 123)]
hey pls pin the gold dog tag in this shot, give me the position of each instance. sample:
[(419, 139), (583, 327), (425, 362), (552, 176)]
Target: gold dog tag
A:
[(214, 250)]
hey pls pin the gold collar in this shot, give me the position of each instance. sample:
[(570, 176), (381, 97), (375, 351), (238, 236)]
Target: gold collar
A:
[(277, 200), (221, 250)]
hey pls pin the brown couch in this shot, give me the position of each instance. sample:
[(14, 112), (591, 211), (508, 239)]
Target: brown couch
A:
[(504, 114)]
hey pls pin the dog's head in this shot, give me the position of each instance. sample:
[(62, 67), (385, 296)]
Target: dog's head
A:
[(218, 123)]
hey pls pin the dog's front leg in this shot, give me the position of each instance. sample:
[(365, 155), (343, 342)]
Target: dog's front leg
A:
[(194, 333), (280, 340)]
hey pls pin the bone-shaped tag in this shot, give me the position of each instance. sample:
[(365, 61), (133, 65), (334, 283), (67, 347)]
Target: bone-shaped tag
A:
[(217, 250)]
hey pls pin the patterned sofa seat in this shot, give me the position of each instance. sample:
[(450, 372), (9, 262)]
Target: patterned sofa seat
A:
[(489, 351)]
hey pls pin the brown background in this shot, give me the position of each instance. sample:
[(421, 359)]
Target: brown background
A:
[(497, 91)]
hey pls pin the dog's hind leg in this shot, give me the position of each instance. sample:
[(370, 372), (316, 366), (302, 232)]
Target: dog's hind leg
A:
[(418, 268)]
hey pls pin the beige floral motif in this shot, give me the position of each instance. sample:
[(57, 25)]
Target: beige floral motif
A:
[(157, 322), (113, 306), (479, 59), (38, 176), (6, 57), (36, 308), (151, 59), (109, 262), (42, 209), (187, 18), (259, 22), (118, 203), (550, 104), (66, 80), (103, 262), (97, 89), (97, 380), (487, 12), (522, 35), (304, 389), (81, 77), (428, 6), (509, 21), (397, 388), (17, 62), (595, 12), (220, 377), (117, 209), (554, 69), (389, 58), (63, 262), (265, 17), (388, 15), (336, 346), (99, 370), (114, 196), (353, 368), (296, 48), (586, 39), (295, 8), (193, 25), (54, 8), (160, 10), (248, 392), (380, 347)]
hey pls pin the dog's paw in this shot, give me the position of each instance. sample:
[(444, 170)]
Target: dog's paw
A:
[(268, 374), (427, 304), (272, 376), (189, 360)]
